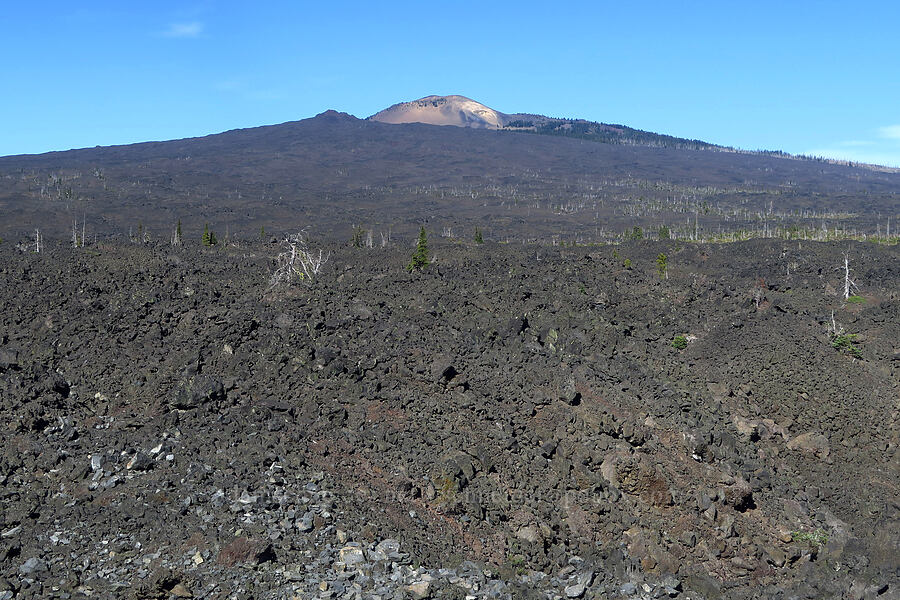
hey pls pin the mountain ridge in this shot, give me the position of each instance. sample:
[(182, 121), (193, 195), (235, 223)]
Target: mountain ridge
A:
[(461, 111)]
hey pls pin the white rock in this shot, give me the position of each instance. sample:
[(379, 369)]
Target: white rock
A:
[(351, 555), (419, 590)]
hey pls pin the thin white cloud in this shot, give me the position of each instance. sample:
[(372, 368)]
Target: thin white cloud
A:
[(265, 95), (891, 132), (878, 156), (880, 147), (242, 89), (184, 30)]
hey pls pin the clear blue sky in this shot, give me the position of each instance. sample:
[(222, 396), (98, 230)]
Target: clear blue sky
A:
[(805, 77)]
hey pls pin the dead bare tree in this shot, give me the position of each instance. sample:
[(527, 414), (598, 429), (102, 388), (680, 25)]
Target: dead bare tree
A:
[(835, 330), (297, 262), (38, 241), (849, 284), (78, 242)]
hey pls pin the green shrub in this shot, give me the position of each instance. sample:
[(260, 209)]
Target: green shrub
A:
[(843, 343), (478, 237), (856, 300), (627, 263), (679, 342)]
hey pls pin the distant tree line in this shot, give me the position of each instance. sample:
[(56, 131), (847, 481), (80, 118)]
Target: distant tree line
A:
[(607, 134)]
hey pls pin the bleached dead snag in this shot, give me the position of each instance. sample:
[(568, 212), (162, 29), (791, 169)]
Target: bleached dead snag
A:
[(297, 263), (38, 241), (849, 284), (78, 242)]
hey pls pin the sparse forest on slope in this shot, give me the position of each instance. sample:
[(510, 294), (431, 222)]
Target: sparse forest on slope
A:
[(601, 132)]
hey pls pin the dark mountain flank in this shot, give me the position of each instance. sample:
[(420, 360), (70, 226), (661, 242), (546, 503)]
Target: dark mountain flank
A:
[(332, 171)]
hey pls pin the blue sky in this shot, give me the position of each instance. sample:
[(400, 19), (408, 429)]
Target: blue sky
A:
[(807, 77)]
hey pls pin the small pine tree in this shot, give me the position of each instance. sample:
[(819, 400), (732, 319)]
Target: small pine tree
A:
[(262, 232), (356, 240), (209, 237), (420, 256), (178, 230), (478, 238), (662, 266)]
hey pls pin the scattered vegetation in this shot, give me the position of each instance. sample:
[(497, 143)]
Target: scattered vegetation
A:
[(517, 564), (814, 539), (445, 488), (636, 233)]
